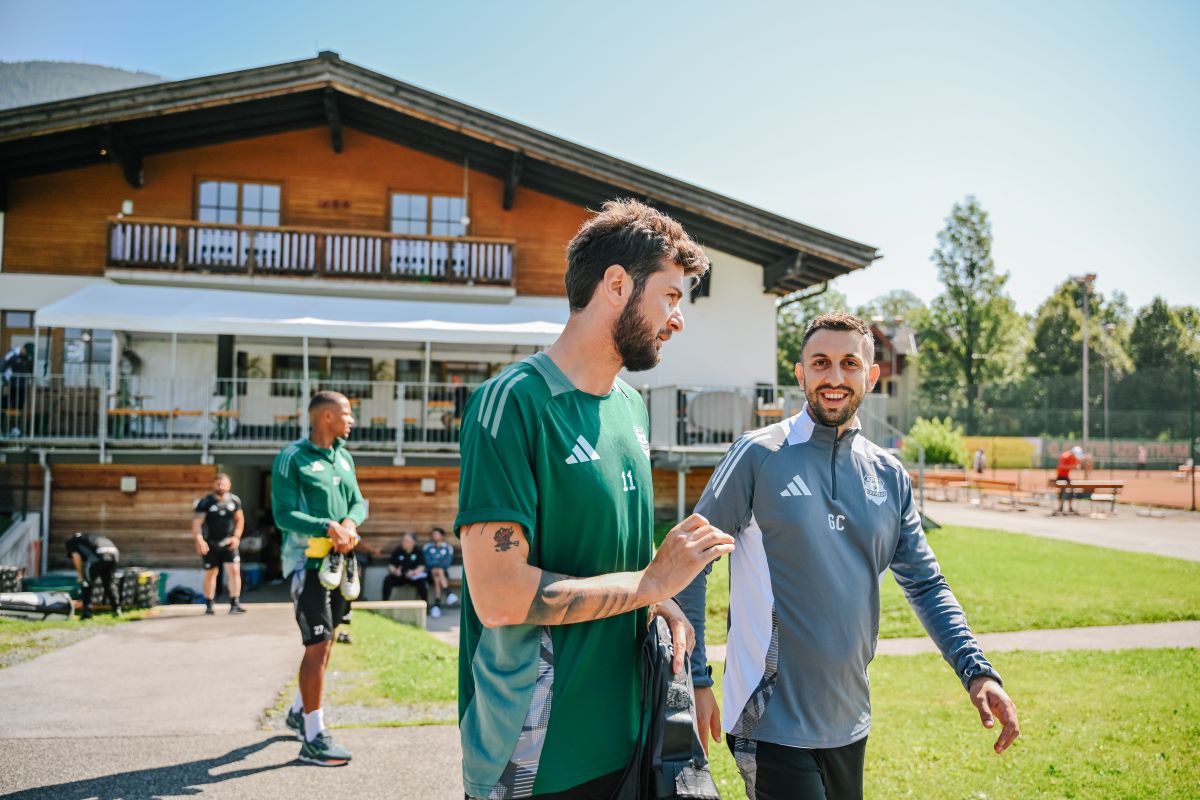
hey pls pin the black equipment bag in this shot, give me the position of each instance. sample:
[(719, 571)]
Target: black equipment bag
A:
[(668, 760)]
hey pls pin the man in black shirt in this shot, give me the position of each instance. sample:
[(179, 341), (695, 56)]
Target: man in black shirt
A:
[(217, 529), (95, 558), (407, 568)]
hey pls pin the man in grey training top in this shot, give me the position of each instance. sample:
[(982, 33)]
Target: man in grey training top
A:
[(818, 513)]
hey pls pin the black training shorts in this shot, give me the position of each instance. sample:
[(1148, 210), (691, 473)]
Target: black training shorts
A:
[(217, 555), (318, 610)]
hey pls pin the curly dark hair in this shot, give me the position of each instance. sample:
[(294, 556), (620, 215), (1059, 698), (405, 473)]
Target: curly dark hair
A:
[(634, 235)]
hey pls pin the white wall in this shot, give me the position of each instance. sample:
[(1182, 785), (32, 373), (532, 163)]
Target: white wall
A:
[(728, 337)]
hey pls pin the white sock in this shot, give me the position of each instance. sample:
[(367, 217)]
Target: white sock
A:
[(314, 723), (298, 704)]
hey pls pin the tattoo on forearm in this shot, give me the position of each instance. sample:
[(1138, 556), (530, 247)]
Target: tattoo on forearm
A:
[(504, 539), (560, 600)]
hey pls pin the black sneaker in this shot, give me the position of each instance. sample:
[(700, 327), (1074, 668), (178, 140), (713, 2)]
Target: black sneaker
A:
[(323, 751), (236, 608), (295, 723), (209, 609), (344, 638)]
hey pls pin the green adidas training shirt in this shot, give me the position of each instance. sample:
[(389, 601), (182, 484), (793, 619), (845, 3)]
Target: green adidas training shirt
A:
[(543, 709), (309, 487)]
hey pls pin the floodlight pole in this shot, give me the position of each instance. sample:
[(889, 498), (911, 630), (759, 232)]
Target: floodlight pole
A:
[(1086, 282)]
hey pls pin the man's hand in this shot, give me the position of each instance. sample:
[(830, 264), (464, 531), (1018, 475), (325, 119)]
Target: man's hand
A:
[(990, 699), (708, 716), (688, 548), (683, 635), (201, 547), (343, 539)]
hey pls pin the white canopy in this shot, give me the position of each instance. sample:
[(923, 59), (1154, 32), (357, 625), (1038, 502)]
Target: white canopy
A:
[(168, 309)]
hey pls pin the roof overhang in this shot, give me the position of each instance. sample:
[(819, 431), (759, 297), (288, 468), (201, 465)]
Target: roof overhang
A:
[(186, 310), (128, 125)]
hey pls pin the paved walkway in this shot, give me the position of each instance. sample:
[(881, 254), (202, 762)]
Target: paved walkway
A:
[(173, 706), (1175, 534)]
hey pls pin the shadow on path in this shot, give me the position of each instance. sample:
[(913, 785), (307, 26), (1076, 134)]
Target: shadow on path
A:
[(176, 780)]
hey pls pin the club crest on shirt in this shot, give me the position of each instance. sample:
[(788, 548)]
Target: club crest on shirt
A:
[(640, 433), (345, 465), (317, 466), (875, 490)]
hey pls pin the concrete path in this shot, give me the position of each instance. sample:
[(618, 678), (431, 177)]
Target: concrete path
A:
[(1099, 637), (158, 677), (232, 766), (173, 706), (1175, 534)]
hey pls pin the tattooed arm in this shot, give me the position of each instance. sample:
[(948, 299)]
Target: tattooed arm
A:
[(507, 590)]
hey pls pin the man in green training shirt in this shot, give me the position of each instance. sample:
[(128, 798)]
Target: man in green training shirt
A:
[(556, 520), (318, 507)]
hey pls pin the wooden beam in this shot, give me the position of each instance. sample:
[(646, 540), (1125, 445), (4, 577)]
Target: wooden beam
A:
[(783, 271), (333, 116), (115, 146), (515, 167)]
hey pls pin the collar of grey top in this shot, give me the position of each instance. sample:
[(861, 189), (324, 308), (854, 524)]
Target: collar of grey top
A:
[(804, 429)]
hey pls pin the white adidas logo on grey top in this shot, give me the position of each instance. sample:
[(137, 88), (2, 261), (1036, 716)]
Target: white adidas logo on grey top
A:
[(796, 488), (582, 452)]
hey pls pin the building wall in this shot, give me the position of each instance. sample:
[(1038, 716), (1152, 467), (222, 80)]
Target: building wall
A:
[(57, 223), (151, 527), (728, 337)]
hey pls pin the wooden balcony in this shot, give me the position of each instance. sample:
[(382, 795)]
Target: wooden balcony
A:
[(186, 246)]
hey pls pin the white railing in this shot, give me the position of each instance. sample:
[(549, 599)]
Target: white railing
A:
[(20, 544), (183, 245)]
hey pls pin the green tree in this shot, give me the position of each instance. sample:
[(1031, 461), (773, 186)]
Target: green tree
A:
[(898, 303), (971, 334), (791, 319), (1160, 339)]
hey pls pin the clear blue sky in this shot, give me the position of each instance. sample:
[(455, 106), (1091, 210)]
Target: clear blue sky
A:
[(1076, 124)]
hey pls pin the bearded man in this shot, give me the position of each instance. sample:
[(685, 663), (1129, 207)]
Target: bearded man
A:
[(818, 514), (556, 520)]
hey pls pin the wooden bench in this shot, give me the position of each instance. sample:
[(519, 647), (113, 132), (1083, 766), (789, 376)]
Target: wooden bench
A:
[(989, 487), (1185, 472), (946, 480), (1092, 491)]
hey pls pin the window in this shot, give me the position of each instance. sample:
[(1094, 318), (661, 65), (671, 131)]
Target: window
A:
[(410, 214), (87, 354), (230, 202), (447, 217), (421, 215), (349, 375), (287, 374), (18, 319)]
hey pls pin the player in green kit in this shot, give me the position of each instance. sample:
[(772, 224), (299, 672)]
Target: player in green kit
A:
[(556, 520)]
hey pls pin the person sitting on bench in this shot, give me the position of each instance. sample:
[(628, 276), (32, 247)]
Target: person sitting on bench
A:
[(407, 568)]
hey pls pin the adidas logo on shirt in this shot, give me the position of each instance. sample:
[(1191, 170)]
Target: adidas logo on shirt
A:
[(582, 452), (796, 488)]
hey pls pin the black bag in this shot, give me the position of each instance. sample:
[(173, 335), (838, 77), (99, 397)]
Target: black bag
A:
[(668, 760)]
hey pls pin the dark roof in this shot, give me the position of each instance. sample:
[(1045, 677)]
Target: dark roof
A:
[(132, 123)]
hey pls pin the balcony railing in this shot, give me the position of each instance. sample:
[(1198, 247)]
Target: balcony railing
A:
[(208, 414), (186, 246), (89, 410)]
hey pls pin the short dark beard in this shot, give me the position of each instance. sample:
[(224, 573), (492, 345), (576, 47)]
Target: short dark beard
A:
[(819, 414), (633, 337)]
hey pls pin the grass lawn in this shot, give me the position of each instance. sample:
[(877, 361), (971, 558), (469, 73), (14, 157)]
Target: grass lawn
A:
[(1011, 582), (397, 665), (1093, 725)]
